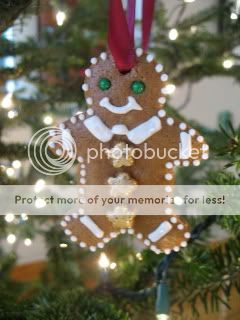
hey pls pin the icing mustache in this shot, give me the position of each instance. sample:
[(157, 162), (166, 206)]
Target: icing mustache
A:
[(131, 105)]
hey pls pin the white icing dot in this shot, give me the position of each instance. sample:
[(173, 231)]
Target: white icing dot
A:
[(150, 57), (167, 251), (82, 244), (100, 245), (83, 166), (192, 132), (200, 139), (90, 111), (157, 251), (180, 226), (68, 232), (75, 215), (130, 231), (83, 173), (103, 56), (205, 147), (106, 240), (168, 189), (173, 220), (184, 244), (186, 163), (73, 238), (51, 144), (187, 235), (122, 231), (168, 210), (139, 52), (162, 100), (183, 126), (89, 101), (73, 120), (59, 152), (161, 113), (85, 87), (147, 242), (169, 165), (168, 176), (88, 73), (176, 249), (80, 159), (63, 223), (93, 60), (170, 121), (196, 163), (177, 162), (164, 77), (62, 126), (159, 67), (205, 156), (139, 235), (82, 180), (153, 248), (81, 116), (67, 218), (92, 248)]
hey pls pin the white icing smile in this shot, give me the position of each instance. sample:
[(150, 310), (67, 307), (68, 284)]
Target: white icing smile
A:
[(131, 105)]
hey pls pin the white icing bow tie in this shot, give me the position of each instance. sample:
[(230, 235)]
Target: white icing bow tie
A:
[(136, 135)]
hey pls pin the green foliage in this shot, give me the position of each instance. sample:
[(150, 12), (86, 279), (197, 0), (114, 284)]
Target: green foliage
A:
[(75, 304)]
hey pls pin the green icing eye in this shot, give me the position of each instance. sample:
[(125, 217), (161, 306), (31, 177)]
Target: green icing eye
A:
[(104, 84), (138, 86)]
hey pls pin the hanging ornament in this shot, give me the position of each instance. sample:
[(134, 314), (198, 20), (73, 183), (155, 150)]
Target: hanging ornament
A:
[(125, 90)]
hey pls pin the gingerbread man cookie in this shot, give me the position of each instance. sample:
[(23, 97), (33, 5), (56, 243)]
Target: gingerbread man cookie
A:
[(126, 111)]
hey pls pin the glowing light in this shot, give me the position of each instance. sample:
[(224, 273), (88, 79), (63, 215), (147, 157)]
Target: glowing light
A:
[(27, 242), (11, 238), (48, 120), (7, 101), (63, 245), (10, 172), (178, 201), (113, 265), (139, 256), (189, 1), (24, 216), (169, 89), (12, 114), (40, 203), (9, 217), (39, 185), (233, 16), (173, 34), (162, 317), (228, 63), (60, 17), (16, 164), (103, 261), (194, 29)]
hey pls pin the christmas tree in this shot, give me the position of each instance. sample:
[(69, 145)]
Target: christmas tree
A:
[(41, 81)]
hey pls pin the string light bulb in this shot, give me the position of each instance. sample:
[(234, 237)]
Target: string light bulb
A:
[(103, 261), (60, 18), (113, 265), (12, 114), (228, 63), (189, 1), (48, 119), (7, 101), (11, 238), (233, 16), (39, 185), (173, 34), (9, 217), (28, 242), (16, 164), (10, 172)]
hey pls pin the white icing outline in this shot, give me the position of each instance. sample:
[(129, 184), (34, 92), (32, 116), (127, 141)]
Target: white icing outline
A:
[(130, 106)]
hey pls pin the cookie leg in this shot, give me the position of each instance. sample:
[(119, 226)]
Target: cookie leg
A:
[(89, 231), (162, 233)]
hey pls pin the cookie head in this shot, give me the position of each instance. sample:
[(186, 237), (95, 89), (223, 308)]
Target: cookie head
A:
[(131, 96)]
